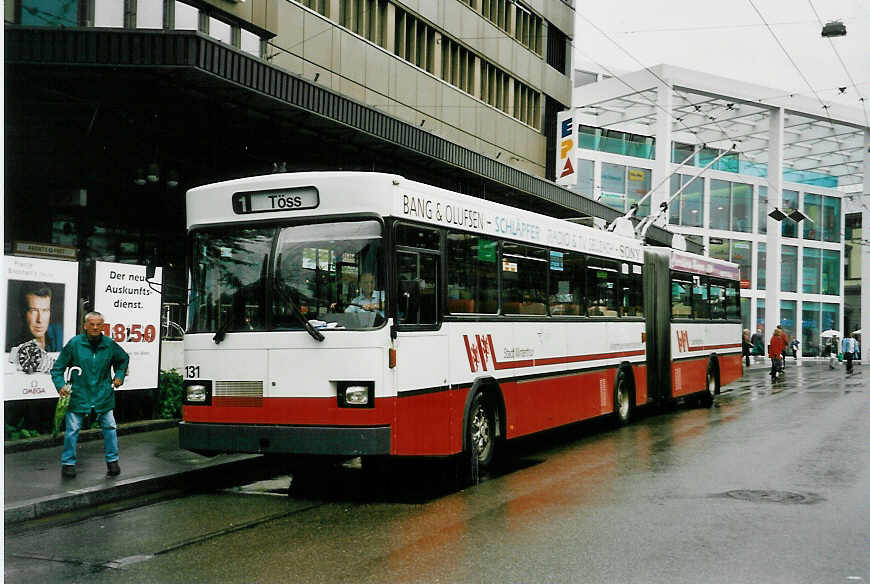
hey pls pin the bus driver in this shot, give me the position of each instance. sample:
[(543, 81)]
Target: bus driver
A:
[(368, 299)]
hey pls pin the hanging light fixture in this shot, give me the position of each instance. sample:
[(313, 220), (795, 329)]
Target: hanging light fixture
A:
[(139, 177), (153, 173), (172, 179), (777, 215)]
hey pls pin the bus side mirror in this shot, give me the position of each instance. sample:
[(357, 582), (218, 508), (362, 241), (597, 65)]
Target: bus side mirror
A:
[(393, 331)]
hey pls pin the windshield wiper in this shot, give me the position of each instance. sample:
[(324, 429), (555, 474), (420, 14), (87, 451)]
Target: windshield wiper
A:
[(318, 336)]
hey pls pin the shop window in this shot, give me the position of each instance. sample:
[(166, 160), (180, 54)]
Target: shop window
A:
[(810, 315), (759, 316), (812, 270), (567, 288), (789, 269), (741, 254), (830, 316), (745, 311)]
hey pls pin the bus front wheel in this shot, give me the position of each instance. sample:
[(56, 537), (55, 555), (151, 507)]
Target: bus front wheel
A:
[(622, 403), (479, 439)]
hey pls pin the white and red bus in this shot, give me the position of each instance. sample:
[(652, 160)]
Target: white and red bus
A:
[(363, 314)]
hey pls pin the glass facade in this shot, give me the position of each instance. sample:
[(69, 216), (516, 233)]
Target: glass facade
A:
[(831, 219), (812, 270), (762, 266), (788, 268), (762, 209), (830, 272), (759, 316), (830, 316), (813, 210), (585, 178), (810, 327), (688, 208), (622, 186), (789, 201), (720, 204), (787, 316), (741, 254)]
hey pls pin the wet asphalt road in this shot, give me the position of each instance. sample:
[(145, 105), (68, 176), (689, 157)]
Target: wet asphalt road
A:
[(770, 485)]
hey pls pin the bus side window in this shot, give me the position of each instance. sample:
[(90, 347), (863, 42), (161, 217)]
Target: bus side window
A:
[(700, 298), (681, 299), (418, 285)]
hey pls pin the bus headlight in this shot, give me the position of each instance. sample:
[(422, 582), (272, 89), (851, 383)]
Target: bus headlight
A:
[(196, 392), (356, 394)]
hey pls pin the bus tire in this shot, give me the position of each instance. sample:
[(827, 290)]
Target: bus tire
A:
[(480, 439), (623, 398), (711, 387)]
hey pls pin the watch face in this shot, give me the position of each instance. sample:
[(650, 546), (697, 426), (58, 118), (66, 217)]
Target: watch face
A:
[(30, 356)]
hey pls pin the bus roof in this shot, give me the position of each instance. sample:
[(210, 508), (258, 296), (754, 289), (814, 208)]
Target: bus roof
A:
[(684, 261), (343, 193)]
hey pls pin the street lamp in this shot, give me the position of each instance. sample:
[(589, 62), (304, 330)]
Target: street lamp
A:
[(835, 28)]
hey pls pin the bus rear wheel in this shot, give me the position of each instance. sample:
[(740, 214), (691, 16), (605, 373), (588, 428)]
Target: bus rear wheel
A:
[(711, 388), (622, 402)]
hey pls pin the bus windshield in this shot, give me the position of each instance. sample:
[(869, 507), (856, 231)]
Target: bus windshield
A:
[(327, 273)]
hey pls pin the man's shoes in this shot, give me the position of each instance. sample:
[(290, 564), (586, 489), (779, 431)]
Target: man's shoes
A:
[(68, 470), (113, 469)]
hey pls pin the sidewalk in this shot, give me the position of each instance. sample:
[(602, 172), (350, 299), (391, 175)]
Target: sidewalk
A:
[(150, 461)]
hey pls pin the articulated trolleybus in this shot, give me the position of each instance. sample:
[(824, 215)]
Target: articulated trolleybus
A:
[(363, 314)]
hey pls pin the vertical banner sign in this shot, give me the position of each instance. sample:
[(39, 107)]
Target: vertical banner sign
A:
[(40, 318), (566, 149), (131, 309)]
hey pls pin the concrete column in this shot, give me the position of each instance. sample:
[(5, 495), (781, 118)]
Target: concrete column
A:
[(661, 163), (865, 251), (774, 228)]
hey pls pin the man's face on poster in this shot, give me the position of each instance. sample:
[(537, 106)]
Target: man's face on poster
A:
[(38, 315)]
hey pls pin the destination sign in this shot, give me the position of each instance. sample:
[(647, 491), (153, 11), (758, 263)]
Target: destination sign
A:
[(276, 200)]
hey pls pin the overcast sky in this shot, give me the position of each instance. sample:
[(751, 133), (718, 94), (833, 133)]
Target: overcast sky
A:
[(730, 39)]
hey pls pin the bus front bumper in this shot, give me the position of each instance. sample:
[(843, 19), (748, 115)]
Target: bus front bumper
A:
[(274, 439)]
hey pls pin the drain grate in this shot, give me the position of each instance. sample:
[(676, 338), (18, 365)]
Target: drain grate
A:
[(771, 496)]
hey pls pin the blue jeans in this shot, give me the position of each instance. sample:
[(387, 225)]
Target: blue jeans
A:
[(71, 436)]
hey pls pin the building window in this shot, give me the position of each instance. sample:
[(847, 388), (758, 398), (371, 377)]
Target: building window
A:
[(831, 272), (250, 43), (788, 266), (810, 330), (186, 17), (746, 311), (787, 316), (149, 14), (813, 210), (220, 30), (457, 65), (830, 316), (49, 13), (812, 270), (414, 39), (585, 178), (494, 86), (527, 106), (762, 266), (789, 201), (741, 205), (720, 204), (741, 254), (681, 151), (557, 48), (762, 209), (759, 315), (688, 208), (109, 13), (831, 219), (528, 28), (497, 12), (320, 6)]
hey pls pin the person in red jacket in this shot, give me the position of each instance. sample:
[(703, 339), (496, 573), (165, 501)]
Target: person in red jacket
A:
[(777, 346)]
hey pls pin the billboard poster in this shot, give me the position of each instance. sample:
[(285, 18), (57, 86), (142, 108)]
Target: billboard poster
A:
[(40, 318), (130, 306)]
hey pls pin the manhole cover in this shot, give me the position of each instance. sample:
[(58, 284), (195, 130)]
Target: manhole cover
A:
[(766, 496)]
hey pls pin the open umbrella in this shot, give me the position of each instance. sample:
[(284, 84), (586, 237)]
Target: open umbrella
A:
[(831, 333)]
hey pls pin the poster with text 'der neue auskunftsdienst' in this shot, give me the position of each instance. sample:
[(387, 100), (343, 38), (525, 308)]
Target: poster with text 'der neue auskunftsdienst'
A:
[(130, 305), (40, 318)]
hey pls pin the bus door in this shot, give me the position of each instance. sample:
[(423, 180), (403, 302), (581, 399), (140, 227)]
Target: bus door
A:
[(423, 412), (657, 299)]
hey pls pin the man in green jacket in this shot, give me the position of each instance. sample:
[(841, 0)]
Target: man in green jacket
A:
[(92, 389)]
